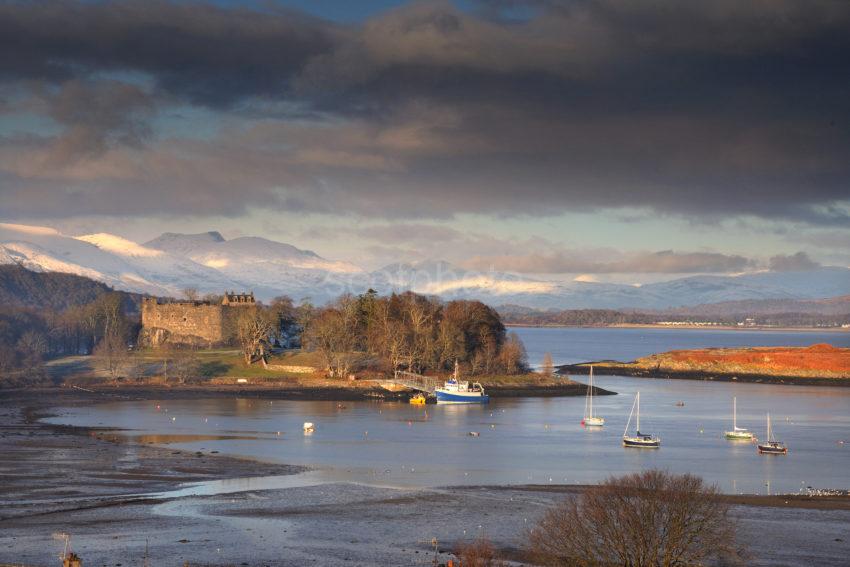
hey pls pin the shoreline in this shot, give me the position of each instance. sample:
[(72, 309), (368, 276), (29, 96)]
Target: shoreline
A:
[(334, 393), (609, 368), (685, 327), (106, 490)]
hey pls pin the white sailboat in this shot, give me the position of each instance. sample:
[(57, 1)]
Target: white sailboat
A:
[(737, 433), (639, 440), (589, 419)]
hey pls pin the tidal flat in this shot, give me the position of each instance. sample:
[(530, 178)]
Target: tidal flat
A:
[(116, 497)]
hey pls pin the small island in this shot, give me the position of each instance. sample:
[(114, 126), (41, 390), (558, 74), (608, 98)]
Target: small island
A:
[(818, 365)]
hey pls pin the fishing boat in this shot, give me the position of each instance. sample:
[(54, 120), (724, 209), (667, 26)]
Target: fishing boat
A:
[(772, 446), (737, 433), (639, 440), (456, 391), (589, 419), (309, 427)]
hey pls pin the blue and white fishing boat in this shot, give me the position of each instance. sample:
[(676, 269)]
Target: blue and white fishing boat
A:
[(455, 391)]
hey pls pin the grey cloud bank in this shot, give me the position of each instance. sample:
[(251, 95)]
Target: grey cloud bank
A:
[(695, 109)]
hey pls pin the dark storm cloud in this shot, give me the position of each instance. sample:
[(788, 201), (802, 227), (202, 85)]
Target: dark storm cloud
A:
[(694, 108), (792, 263), (205, 53), (96, 116)]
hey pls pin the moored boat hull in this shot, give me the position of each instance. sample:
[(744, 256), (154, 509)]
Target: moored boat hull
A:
[(773, 449), (593, 421), (444, 397), (641, 443), (738, 436)]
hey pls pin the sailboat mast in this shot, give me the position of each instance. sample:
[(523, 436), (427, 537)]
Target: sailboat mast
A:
[(734, 413), (591, 391), (638, 412), (629, 422), (768, 427)]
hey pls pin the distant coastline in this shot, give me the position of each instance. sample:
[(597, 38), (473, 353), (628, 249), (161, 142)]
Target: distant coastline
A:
[(816, 365), (686, 327), (622, 369)]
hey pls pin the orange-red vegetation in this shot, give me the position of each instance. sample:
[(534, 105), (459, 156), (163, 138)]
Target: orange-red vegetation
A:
[(818, 359)]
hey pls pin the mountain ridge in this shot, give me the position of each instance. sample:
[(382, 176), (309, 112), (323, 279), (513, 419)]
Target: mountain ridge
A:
[(207, 261)]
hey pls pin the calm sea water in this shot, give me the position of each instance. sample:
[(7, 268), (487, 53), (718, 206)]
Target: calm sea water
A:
[(532, 440)]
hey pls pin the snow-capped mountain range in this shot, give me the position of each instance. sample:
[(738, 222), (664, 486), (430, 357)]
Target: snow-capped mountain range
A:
[(170, 263)]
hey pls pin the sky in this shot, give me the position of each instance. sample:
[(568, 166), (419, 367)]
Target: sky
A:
[(617, 140)]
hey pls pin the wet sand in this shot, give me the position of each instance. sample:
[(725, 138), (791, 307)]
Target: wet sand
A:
[(102, 489)]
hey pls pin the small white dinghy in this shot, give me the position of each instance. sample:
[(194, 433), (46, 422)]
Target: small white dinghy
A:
[(309, 427)]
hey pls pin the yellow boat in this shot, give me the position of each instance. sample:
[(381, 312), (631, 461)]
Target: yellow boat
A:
[(418, 399)]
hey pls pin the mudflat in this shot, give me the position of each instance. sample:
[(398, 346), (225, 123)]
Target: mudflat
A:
[(113, 496)]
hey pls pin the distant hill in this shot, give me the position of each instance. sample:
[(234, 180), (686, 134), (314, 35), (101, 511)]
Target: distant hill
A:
[(830, 306), (20, 287), (830, 312)]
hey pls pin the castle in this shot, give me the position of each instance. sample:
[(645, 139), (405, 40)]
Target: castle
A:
[(192, 323)]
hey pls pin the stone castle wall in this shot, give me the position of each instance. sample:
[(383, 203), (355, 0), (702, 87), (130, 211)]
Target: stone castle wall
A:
[(195, 323)]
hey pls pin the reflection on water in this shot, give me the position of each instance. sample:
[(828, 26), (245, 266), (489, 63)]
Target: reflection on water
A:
[(533, 440), (233, 485), (165, 439)]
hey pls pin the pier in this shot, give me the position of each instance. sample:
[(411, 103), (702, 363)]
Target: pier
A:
[(414, 381)]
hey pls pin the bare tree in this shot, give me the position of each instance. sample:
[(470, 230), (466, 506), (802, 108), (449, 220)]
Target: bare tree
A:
[(646, 519), (109, 311), (33, 345), (548, 368), (513, 357), (478, 553), (191, 293), (185, 365), (332, 332), (253, 329), (111, 353)]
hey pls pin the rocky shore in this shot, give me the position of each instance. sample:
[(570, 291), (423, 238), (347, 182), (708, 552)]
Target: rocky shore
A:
[(816, 365)]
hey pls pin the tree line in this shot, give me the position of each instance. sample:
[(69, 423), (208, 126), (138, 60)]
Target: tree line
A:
[(412, 332), (28, 335)]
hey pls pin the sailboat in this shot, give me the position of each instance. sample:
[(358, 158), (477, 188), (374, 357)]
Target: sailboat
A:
[(772, 446), (640, 440), (589, 419), (737, 433)]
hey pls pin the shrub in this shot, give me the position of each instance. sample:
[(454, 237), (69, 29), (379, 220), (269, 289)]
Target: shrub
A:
[(645, 519)]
